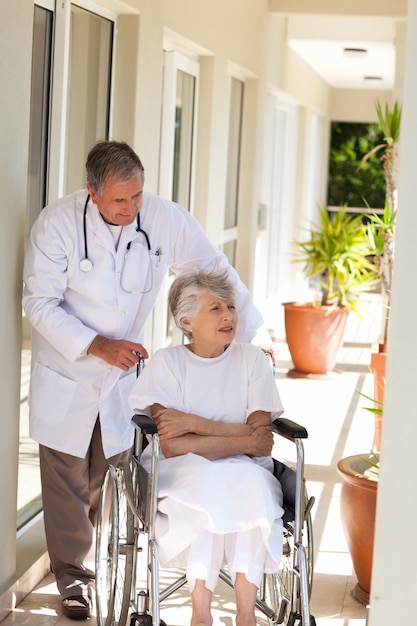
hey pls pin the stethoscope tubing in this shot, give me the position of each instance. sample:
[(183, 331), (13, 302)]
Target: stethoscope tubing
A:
[(86, 265)]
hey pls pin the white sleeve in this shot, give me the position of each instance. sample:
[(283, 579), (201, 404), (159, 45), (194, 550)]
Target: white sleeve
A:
[(157, 384), (194, 250), (263, 392), (45, 282)]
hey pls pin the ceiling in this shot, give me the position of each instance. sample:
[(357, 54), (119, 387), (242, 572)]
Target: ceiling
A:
[(349, 51)]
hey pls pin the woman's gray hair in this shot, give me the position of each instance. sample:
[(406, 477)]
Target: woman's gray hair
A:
[(111, 160), (187, 289)]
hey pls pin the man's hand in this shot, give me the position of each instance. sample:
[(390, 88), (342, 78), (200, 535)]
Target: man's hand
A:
[(272, 352), (118, 352)]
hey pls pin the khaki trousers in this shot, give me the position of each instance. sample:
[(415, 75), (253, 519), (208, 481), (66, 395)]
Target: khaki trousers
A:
[(70, 492)]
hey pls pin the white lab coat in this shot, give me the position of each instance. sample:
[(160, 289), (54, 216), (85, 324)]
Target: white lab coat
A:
[(67, 308)]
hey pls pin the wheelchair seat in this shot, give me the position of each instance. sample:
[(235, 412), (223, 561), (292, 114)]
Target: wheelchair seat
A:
[(127, 512)]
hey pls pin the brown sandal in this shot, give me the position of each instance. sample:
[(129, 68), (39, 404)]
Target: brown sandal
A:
[(76, 607)]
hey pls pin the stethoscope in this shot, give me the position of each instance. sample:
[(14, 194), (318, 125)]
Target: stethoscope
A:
[(86, 265)]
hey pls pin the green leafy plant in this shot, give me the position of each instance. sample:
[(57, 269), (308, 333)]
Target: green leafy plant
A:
[(377, 407), (337, 253), (390, 124), (373, 461), (381, 228), (350, 142)]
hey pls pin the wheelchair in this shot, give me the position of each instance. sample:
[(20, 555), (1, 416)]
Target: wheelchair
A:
[(126, 545)]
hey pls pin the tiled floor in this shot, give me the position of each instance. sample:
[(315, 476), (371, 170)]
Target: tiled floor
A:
[(333, 414)]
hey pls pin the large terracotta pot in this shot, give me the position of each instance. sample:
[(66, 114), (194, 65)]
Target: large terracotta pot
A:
[(314, 337), (378, 361), (357, 507)]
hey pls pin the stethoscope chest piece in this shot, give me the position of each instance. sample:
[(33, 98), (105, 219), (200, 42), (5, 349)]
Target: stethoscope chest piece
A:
[(86, 265)]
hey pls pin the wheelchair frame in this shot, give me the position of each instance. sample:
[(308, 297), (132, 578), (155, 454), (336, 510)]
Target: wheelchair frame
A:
[(127, 513)]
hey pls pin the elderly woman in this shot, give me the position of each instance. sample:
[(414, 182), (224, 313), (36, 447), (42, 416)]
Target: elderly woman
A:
[(212, 400)]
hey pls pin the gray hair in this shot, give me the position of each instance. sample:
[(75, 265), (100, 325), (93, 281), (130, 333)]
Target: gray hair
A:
[(111, 160), (187, 289)]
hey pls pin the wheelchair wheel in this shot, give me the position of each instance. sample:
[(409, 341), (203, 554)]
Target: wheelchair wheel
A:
[(115, 549), (284, 590)]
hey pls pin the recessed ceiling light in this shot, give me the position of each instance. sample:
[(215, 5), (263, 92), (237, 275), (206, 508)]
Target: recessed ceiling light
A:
[(372, 78), (355, 52)]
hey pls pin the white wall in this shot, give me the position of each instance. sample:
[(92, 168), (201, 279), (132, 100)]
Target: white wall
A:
[(394, 566), (15, 70)]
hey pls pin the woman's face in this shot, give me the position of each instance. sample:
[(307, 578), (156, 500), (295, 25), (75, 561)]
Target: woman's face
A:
[(214, 326)]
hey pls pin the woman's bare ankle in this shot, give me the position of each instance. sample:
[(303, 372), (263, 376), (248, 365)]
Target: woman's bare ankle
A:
[(246, 620)]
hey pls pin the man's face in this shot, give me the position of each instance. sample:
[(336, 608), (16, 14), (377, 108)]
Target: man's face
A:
[(120, 201)]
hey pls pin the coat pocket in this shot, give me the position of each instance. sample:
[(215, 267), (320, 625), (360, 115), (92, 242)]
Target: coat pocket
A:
[(50, 394)]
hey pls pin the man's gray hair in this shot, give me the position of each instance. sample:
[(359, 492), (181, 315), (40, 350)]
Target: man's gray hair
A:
[(186, 291), (111, 160)]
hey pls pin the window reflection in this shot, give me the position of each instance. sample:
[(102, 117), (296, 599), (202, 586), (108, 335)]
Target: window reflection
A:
[(182, 164), (88, 90), (230, 223), (233, 157), (183, 143)]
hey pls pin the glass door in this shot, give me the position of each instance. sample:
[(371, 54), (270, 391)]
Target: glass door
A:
[(88, 113), (176, 172), (29, 487), (81, 97), (70, 110)]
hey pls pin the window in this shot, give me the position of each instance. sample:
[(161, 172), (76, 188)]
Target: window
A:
[(183, 139), (179, 105), (229, 235), (176, 171)]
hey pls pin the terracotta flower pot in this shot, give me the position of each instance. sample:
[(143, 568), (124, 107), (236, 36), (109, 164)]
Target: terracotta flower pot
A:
[(357, 507), (314, 337), (378, 362)]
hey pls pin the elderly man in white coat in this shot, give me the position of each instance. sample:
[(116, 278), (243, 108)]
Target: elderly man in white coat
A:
[(94, 265)]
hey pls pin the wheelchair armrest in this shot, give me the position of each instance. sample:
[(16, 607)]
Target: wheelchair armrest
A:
[(289, 429), (283, 426), (145, 424)]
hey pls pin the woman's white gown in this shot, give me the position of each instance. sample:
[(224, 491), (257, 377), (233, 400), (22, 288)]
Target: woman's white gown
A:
[(230, 495)]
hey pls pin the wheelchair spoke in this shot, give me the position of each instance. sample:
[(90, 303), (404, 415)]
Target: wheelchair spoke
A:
[(115, 549), (106, 548)]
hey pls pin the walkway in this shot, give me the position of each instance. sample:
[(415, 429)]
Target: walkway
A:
[(338, 425)]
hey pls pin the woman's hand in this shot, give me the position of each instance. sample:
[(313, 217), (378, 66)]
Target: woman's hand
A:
[(262, 441), (171, 423), (181, 433)]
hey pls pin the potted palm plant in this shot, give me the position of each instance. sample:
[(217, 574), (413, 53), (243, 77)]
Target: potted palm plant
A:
[(360, 472), (381, 228), (381, 232), (337, 255)]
